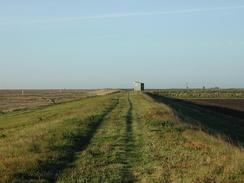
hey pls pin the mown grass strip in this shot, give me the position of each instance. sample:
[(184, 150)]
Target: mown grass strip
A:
[(104, 158)]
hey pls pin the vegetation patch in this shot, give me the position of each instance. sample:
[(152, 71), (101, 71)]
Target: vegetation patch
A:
[(74, 139), (123, 137), (2, 135)]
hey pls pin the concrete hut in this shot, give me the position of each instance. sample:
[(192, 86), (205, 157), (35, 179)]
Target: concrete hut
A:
[(138, 86)]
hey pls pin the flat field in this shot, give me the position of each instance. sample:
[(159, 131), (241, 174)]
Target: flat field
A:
[(235, 104), (121, 137), (202, 93), (11, 100)]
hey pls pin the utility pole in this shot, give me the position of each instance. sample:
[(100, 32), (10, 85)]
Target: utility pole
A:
[(22, 92)]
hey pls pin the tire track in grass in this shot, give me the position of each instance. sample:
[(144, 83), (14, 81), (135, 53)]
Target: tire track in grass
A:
[(104, 158), (129, 146), (47, 170)]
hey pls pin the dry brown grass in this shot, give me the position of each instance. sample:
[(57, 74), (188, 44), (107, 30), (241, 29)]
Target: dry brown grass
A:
[(11, 100)]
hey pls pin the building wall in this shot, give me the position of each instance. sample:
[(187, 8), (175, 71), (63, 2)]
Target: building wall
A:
[(138, 86)]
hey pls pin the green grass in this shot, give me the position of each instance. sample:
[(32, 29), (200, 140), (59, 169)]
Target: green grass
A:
[(124, 137), (103, 160), (33, 149)]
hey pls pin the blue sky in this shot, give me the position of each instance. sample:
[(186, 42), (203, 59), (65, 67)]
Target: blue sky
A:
[(97, 44)]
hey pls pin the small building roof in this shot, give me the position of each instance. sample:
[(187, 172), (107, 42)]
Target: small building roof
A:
[(138, 82)]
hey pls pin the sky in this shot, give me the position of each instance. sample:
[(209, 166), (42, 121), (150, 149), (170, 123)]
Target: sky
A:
[(52, 44)]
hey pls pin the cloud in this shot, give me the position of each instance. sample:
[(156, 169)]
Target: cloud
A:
[(121, 15)]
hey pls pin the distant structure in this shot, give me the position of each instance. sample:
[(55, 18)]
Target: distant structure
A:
[(187, 85), (138, 86)]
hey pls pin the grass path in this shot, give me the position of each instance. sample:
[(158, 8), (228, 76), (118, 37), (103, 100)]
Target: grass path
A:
[(125, 137), (129, 145), (103, 159), (114, 152)]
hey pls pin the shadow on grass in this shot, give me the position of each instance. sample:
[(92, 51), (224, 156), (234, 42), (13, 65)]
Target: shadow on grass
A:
[(48, 169), (214, 120)]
